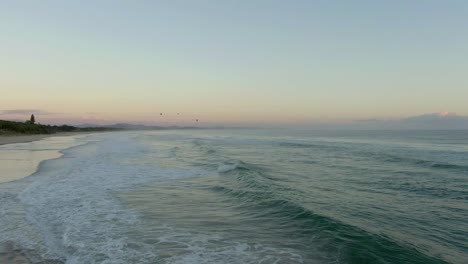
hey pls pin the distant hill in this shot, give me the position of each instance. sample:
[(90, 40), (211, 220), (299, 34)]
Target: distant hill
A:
[(444, 120), (14, 127), (132, 126), (127, 126)]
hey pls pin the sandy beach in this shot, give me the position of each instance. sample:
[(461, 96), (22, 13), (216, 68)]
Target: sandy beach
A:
[(21, 139), (11, 139), (18, 162)]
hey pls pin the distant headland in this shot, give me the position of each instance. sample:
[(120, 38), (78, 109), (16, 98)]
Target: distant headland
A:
[(30, 127)]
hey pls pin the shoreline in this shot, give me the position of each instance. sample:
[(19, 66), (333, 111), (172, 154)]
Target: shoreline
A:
[(12, 139), (22, 138), (17, 162)]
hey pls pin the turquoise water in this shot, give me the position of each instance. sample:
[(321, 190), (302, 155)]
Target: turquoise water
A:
[(246, 196)]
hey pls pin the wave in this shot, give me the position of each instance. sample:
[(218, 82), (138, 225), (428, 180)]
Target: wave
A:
[(422, 162), (203, 146), (71, 202), (360, 149), (227, 167), (449, 166), (329, 146), (262, 199)]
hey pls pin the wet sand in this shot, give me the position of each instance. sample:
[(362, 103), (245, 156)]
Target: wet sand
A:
[(11, 139), (21, 138), (17, 162)]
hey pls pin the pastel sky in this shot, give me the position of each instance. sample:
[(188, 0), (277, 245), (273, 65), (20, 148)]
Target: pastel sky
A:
[(232, 62)]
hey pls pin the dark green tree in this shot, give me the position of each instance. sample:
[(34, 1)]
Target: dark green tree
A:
[(32, 120)]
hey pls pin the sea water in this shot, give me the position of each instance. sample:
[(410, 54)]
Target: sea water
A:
[(245, 196)]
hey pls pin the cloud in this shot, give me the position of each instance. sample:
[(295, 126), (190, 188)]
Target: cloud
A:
[(445, 114), (25, 112), (436, 117)]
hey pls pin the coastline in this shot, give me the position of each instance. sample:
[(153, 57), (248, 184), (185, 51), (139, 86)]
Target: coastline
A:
[(11, 139), (17, 164), (20, 138), (21, 161)]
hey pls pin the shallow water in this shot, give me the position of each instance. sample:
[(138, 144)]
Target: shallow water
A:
[(245, 196), (19, 160)]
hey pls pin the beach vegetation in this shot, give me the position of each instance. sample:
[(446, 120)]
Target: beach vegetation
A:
[(30, 127)]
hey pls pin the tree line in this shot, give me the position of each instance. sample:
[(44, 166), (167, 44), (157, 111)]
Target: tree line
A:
[(30, 127)]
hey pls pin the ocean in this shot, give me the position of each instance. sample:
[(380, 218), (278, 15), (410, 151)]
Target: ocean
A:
[(243, 196)]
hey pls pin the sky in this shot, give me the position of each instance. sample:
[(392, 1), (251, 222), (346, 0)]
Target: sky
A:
[(232, 62)]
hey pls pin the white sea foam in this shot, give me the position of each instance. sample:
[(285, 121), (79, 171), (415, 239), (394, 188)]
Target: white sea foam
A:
[(21, 159), (72, 201), (73, 215), (227, 167), (235, 253), (189, 247)]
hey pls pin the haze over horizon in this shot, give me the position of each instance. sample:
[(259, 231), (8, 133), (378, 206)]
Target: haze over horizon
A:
[(232, 63)]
